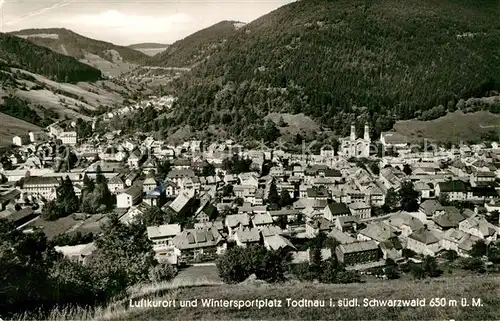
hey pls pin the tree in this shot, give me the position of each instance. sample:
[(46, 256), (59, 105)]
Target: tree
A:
[(273, 198), (52, 211), (430, 267), (282, 221), (99, 177), (66, 197), (391, 201), (208, 170), (479, 249), (88, 184), (407, 169), (285, 199), (162, 272), (124, 256), (391, 272), (408, 197), (162, 169), (238, 263), (227, 190), (154, 216), (25, 262), (234, 266)]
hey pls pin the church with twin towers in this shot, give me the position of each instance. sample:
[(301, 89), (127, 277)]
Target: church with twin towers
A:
[(356, 147)]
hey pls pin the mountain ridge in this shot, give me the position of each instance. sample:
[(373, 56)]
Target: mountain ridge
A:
[(196, 47), (345, 61), (111, 59)]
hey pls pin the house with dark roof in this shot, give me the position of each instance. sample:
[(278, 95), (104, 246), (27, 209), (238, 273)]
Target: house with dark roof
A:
[(449, 218), (333, 210), (455, 190), (318, 225), (42, 186), (198, 245), (424, 241), (129, 197), (430, 207), (357, 252)]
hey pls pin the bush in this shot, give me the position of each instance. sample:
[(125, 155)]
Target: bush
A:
[(162, 272), (234, 266), (302, 271), (472, 264), (391, 272)]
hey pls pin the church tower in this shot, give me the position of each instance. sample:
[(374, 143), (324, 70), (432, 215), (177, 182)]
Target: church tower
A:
[(353, 132), (367, 132)]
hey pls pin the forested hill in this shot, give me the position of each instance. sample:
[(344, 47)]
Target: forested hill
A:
[(196, 47), (20, 53), (75, 45), (345, 60)]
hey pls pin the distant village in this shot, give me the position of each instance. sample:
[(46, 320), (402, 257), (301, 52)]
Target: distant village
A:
[(228, 195)]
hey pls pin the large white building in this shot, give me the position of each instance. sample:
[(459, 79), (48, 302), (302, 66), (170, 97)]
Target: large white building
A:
[(68, 138), (356, 147)]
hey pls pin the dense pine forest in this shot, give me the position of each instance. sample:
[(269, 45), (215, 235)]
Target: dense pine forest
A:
[(196, 47), (20, 53), (343, 61)]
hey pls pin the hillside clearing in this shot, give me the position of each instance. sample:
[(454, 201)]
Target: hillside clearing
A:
[(453, 127), (295, 124), (12, 127)]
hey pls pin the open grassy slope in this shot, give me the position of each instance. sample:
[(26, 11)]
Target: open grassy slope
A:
[(11, 127), (454, 127), (340, 61)]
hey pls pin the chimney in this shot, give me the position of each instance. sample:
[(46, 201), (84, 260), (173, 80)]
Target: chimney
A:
[(353, 132), (367, 131)]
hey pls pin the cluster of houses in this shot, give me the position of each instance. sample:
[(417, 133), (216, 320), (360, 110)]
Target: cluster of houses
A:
[(329, 194), (153, 101)]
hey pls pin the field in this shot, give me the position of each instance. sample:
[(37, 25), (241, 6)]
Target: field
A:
[(485, 288), (453, 127), (11, 127)]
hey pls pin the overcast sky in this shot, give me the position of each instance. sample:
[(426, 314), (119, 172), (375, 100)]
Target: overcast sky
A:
[(128, 21)]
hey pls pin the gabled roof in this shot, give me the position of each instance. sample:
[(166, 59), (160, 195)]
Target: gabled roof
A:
[(194, 238), (453, 186), (358, 247), (167, 230), (341, 237), (378, 231), (41, 180), (429, 207), (180, 202), (450, 218), (338, 209), (271, 230), (237, 219), (424, 236), (276, 242), (116, 180), (261, 219), (248, 235)]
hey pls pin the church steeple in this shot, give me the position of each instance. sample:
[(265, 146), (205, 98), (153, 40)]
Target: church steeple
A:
[(353, 132), (367, 131)]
